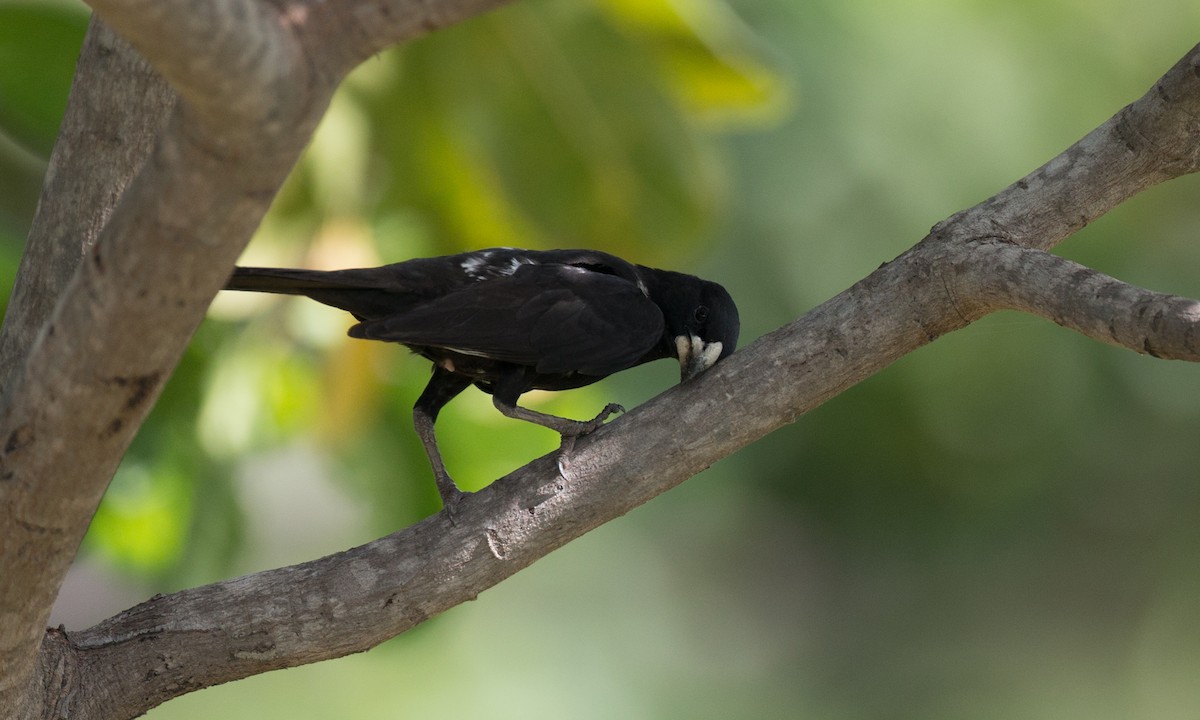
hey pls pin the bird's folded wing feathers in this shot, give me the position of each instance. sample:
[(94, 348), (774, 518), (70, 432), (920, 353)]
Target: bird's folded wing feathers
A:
[(556, 318)]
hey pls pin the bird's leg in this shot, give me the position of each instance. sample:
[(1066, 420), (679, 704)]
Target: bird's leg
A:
[(442, 388), (510, 387), (563, 426)]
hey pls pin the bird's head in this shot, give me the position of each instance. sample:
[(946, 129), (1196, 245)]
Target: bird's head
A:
[(701, 322)]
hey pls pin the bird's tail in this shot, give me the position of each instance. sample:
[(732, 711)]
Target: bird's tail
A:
[(358, 292), (281, 280)]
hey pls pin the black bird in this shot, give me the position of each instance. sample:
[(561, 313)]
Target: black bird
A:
[(510, 321)]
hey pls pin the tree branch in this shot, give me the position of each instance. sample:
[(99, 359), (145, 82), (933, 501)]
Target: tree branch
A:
[(88, 345), (117, 106), (232, 61), (1087, 301), (980, 260), (1145, 143), (375, 25)]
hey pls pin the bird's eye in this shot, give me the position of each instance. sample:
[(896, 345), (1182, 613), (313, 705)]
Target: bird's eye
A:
[(700, 314)]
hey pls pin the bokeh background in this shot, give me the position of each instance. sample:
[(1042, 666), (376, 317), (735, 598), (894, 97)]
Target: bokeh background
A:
[(1001, 525)]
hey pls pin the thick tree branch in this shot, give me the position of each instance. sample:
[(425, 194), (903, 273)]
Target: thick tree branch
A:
[(118, 104), (980, 260), (116, 107), (232, 61), (94, 336), (91, 376)]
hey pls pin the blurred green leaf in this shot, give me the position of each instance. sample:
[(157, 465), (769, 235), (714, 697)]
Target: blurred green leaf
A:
[(540, 125), (39, 44), (143, 520), (713, 63), (20, 184)]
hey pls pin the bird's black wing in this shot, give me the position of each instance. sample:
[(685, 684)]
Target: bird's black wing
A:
[(553, 318)]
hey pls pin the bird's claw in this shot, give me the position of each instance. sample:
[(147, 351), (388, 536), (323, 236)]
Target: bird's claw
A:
[(582, 427), (451, 497), (595, 423)]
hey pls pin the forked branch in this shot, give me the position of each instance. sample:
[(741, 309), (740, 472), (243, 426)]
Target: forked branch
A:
[(122, 319)]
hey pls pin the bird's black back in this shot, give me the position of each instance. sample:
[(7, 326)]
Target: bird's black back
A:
[(569, 317), (379, 292)]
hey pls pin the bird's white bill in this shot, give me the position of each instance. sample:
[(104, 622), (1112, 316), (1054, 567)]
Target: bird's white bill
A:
[(695, 355)]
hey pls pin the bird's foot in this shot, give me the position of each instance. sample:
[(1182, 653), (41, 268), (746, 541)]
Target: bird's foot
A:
[(581, 427), (451, 497), (584, 427), (594, 424)]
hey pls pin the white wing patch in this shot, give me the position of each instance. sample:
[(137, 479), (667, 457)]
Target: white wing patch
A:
[(478, 266), (515, 263)]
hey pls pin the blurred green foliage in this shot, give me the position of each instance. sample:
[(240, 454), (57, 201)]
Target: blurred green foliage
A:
[(38, 45), (39, 42), (1002, 524)]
